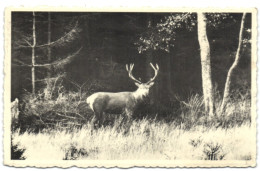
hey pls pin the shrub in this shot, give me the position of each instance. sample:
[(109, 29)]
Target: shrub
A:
[(192, 112), (213, 151), (53, 107)]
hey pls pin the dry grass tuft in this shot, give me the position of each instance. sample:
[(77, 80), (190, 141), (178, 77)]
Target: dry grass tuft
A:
[(145, 141)]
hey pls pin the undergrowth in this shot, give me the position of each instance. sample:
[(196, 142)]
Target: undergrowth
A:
[(57, 125)]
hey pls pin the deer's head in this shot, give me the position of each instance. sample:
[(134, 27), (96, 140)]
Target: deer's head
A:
[(143, 88)]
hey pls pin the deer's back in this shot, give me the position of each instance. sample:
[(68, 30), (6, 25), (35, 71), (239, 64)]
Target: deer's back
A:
[(111, 101)]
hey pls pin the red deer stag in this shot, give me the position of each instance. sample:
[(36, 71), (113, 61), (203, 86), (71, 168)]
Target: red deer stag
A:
[(125, 102)]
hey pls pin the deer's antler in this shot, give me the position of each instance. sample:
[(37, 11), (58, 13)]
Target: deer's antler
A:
[(156, 69), (129, 70)]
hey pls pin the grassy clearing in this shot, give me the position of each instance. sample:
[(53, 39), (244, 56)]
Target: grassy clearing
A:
[(146, 141), (58, 127)]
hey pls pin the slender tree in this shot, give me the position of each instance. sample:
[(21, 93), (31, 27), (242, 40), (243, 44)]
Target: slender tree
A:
[(49, 41), (226, 94), (33, 54), (163, 38), (28, 41), (205, 63)]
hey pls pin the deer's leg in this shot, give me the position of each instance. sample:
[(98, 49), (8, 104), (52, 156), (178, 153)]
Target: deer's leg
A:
[(128, 120), (93, 122), (122, 119), (96, 121), (98, 109), (101, 119)]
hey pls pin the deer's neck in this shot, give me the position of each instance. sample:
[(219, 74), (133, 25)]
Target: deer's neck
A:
[(139, 94)]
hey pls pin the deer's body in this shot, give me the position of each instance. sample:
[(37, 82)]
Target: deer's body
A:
[(121, 102)]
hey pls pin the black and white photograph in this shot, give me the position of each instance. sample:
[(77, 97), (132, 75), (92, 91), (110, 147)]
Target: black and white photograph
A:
[(172, 88)]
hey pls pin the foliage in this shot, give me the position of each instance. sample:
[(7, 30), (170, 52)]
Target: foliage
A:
[(53, 107), (162, 36)]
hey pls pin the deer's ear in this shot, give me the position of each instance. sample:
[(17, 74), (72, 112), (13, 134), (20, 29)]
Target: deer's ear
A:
[(151, 84), (137, 84)]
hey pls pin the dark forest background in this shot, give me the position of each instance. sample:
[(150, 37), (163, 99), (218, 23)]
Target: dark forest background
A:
[(108, 43)]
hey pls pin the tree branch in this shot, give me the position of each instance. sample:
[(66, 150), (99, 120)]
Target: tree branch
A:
[(21, 63), (56, 64), (61, 39), (53, 78), (61, 62), (65, 38), (28, 42)]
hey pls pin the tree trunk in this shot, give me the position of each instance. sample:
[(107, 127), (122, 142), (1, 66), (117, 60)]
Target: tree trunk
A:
[(226, 94), (49, 47), (33, 55), (170, 77), (205, 64)]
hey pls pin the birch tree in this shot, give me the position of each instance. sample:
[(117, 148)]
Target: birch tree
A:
[(205, 64), (165, 35), (226, 94)]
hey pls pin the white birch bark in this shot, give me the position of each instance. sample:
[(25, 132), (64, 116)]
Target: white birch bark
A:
[(205, 64), (226, 94)]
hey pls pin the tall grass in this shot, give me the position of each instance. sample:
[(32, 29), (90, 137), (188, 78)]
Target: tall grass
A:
[(57, 126), (145, 141), (237, 112)]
